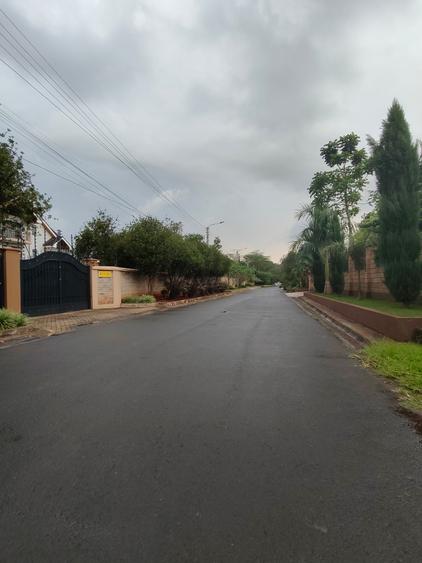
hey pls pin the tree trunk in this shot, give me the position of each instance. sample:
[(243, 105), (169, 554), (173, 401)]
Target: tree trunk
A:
[(327, 287)]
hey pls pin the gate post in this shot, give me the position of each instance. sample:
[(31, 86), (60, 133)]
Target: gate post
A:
[(12, 278), (91, 262)]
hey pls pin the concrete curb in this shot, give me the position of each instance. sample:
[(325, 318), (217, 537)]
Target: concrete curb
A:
[(22, 334), (143, 306), (352, 334), (192, 301)]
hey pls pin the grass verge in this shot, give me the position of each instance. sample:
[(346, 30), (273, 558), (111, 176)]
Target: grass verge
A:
[(401, 362), (9, 319), (382, 305)]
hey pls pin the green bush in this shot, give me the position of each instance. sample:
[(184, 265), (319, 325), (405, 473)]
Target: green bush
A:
[(139, 299), (9, 319)]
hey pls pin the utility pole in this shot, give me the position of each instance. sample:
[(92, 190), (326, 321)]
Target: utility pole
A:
[(207, 230)]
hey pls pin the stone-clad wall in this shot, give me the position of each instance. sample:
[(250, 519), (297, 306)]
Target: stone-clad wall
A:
[(372, 278), (133, 283), (105, 291), (110, 284)]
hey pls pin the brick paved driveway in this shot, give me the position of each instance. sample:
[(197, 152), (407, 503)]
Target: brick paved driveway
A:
[(64, 322)]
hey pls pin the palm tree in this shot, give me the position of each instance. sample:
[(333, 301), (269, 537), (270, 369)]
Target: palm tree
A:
[(322, 239)]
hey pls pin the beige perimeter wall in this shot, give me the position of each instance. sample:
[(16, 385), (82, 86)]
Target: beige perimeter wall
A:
[(110, 284)]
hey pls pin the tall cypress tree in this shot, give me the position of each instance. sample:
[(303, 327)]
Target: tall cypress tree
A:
[(396, 166)]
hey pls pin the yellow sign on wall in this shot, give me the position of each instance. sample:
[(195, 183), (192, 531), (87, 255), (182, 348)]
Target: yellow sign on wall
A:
[(105, 273)]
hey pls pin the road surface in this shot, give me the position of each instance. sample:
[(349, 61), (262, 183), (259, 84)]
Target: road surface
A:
[(236, 430)]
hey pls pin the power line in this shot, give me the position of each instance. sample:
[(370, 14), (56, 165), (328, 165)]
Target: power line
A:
[(56, 155), (124, 156), (51, 151), (77, 184), (48, 77), (102, 140)]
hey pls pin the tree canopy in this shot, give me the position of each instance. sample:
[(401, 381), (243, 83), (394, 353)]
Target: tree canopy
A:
[(397, 168), (341, 186), (98, 239), (321, 246), (19, 199), (156, 248), (266, 271)]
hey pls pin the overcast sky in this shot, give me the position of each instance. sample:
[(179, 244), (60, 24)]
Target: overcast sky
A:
[(226, 102)]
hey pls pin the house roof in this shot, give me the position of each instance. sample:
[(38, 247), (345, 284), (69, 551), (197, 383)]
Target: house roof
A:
[(54, 241), (56, 236), (47, 227)]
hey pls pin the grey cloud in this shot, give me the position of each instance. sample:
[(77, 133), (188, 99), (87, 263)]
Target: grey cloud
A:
[(226, 102)]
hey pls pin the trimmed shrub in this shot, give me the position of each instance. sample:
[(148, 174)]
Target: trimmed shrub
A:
[(139, 299)]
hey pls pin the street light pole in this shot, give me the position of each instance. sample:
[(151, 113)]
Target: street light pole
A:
[(207, 230)]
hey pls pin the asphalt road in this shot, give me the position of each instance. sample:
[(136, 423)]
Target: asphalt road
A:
[(237, 430)]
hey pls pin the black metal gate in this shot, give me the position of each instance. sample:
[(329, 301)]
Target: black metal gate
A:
[(54, 282), (1, 281)]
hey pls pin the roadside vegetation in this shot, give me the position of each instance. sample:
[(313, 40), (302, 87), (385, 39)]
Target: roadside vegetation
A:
[(158, 249), (401, 362), (9, 319), (186, 264), (330, 237), (139, 299)]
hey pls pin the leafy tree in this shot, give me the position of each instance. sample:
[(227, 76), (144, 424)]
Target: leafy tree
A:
[(98, 239), (217, 264), (267, 272), (186, 263), (179, 264), (294, 267), (20, 201), (258, 261), (341, 186), (146, 244), (369, 228), (241, 272), (396, 165), (197, 269), (322, 241)]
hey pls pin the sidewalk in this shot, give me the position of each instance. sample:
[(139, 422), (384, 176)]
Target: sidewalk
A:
[(64, 322), (47, 325)]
